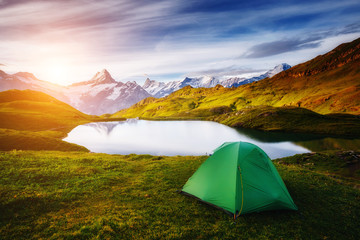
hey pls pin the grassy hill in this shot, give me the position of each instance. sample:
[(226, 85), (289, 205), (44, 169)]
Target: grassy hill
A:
[(32, 110), (328, 85), (37, 121), (57, 195)]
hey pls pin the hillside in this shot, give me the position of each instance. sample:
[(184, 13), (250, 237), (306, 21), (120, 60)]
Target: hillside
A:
[(32, 110), (35, 120), (327, 84)]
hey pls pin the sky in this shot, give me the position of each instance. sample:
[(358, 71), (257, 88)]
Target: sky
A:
[(64, 41)]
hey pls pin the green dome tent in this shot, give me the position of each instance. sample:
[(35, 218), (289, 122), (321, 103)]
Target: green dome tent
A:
[(239, 178)]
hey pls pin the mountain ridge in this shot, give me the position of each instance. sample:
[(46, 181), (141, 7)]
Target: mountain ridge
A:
[(102, 94), (162, 89)]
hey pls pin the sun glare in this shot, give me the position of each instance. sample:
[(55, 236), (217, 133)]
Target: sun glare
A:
[(57, 72)]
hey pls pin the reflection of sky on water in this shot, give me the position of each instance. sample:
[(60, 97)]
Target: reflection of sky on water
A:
[(167, 138)]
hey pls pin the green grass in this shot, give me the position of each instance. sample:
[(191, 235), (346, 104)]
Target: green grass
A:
[(28, 140), (35, 111), (337, 163), (57, 195)]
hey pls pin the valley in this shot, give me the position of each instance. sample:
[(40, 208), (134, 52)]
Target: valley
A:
[(54, 189), (206, 119)]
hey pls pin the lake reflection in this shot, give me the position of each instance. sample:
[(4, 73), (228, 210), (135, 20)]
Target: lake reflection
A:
[(169, 138)]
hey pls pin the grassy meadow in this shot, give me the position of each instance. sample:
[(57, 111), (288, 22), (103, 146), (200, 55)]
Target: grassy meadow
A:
[(77, 195)]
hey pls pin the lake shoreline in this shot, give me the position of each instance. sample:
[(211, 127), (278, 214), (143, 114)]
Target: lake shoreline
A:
[(193, 137), (264, 118)]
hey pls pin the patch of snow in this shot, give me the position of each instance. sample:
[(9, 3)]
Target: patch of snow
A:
[(277, 69), (115, 93), (99, 88)]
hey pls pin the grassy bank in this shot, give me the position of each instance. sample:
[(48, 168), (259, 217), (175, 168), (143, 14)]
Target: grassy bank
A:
[(265, 118), (58, 195), (291, 119), (343, 164), (42, 140)]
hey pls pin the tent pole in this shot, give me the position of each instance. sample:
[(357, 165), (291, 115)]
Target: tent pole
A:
[(242, 193)]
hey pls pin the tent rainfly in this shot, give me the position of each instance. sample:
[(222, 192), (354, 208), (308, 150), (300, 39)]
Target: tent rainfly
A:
[(239, 178)]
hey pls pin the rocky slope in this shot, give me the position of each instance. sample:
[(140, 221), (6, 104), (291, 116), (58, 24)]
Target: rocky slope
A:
[(102, 94)]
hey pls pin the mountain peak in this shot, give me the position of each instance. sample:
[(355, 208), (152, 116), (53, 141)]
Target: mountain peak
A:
[(285, 66), (131, 84), (147, 82), (104, 71), (102, 77), (277, 69), (152, 83)]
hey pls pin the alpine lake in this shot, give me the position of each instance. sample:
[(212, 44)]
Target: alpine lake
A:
[(172, 138)]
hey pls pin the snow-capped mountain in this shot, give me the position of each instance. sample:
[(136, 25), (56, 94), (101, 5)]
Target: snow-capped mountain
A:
[(153, 87), (236, 81), (102, 94), (161, 89), (203, 81), (279, 68)]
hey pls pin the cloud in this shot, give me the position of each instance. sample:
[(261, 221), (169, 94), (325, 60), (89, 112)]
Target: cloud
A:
[(298, 43), (351, 28), (281, 46), (162, 37)]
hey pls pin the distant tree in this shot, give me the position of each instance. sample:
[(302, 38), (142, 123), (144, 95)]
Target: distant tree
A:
[(192, 105), (233, 106)]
